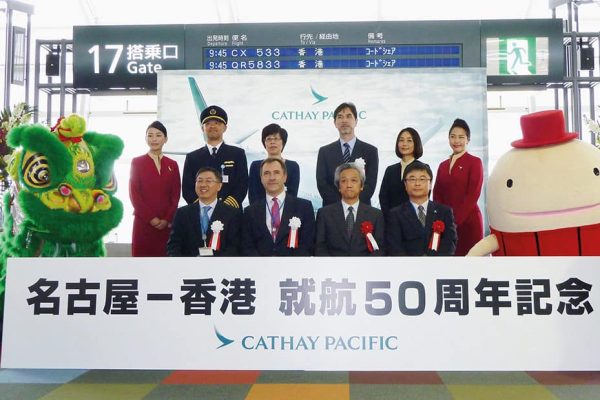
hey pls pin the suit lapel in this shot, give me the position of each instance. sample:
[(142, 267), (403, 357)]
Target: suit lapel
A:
[(195, 222), (411, 216), (259, 216), (340, 221), (357, 150), (432, 214), (288, 212), (216, 216), (336, 153), (362, 215)]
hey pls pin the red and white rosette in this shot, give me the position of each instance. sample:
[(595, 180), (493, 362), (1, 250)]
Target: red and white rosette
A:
[(215, 241), (438, 228), (366, 228), (294, 225)]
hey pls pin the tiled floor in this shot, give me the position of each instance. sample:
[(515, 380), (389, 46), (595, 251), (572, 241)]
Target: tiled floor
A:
[(291, 385)]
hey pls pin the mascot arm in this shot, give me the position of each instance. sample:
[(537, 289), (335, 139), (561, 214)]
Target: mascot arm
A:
[(484, 247)]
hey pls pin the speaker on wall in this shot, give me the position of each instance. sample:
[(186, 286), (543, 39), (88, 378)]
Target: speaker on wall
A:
[(52, 64), (586, 58)]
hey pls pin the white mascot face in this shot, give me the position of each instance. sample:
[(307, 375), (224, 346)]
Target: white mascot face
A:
[(545, 188)]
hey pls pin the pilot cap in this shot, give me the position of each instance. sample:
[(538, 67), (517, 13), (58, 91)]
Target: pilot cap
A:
[(213, 112)]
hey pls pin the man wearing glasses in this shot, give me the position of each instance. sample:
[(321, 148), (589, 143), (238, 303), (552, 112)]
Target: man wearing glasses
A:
[(420, 227), (208, 226)]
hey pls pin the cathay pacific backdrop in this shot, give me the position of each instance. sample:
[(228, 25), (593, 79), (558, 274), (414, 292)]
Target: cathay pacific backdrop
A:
[(302, 102)]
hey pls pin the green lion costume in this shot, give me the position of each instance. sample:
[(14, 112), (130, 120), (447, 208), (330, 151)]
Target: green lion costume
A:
[(61, 202)]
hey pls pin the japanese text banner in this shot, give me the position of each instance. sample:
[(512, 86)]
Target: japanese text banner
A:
[(303, 313)]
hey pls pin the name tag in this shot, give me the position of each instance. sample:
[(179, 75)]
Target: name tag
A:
[(205, 251), (225, 178)]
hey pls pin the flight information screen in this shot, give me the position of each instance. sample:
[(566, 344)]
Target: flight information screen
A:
[(527, 52), (347, 57)]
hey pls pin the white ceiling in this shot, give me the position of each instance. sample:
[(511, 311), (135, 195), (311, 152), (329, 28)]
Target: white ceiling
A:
[(66, 13)]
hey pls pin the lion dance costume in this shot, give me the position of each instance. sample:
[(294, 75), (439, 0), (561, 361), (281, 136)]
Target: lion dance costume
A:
[(61, 201)]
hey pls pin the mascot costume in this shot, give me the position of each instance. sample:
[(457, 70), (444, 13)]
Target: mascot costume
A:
[(61, 201), (543, 197)]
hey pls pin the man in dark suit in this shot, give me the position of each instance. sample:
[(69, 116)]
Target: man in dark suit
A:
[(348, 148), (230, 161), (420, 227), (349, 227), (208, 226), (280, 224)]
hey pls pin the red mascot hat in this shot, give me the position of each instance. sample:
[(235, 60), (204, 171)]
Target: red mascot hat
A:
[(542, 129)]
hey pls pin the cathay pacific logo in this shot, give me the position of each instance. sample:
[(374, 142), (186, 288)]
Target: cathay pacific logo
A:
[(224, 340), (320, 98)]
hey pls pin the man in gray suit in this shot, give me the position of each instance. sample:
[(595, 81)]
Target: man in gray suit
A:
[(346, 149), (349, 227)]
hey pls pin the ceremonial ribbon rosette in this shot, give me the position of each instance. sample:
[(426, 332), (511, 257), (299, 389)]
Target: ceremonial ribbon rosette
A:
[(215, 241), (360, 163), (367, 229), (294, 225), (438, 228)]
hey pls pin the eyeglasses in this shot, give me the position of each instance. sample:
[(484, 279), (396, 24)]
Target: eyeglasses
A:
[(412, 181), (207, 181)]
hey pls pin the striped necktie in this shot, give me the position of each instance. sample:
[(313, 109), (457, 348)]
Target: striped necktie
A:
[(421, 216), (346, 152)]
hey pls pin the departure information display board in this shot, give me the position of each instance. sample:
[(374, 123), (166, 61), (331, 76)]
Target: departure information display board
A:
[(276, 57), (527, 52)]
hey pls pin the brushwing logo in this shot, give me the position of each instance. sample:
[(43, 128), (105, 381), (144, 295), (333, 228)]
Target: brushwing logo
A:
[(224, 341), (317, 96)]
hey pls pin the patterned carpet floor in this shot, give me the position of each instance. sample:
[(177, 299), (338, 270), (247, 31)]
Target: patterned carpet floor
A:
[(292, 385)]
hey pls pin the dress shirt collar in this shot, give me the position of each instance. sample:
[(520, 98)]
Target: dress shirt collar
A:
[(354, 208), (212, 205), (416, 206), (280, 199), (351, 142), (209, 147)]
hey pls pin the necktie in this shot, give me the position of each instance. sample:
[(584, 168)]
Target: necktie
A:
[(275, 218), (346, 152), (204, 220), (350, 221), (421, 216), (214, 152)]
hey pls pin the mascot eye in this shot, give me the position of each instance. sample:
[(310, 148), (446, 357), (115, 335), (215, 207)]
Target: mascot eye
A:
[(509, 183), (596, 171), (35, 170)]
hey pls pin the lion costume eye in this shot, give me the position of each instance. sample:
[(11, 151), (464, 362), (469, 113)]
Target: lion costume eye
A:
[(35, 170)]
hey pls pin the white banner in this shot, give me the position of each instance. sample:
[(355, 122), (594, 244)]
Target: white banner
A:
[(303, 313)]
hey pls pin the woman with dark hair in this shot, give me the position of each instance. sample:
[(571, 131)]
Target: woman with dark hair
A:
[(408, 148), (154, 188), (274, 138), (458, 185)]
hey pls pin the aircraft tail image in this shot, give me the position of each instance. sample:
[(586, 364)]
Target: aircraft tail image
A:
[(200, 104)]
